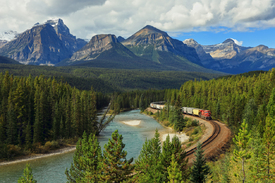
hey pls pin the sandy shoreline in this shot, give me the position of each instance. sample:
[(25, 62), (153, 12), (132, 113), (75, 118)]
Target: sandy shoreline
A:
[(132, 122), (38, 156), (64, 150)]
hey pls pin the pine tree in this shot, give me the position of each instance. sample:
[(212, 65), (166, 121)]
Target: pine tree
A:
[(2, 129), (225, 170), (115, 166), (141, 103), (179, 120), (200, 169), (28, 137), (269, 142), (218, 109), (149, 163), (27, 176), (269, 133), (12, 127), (170, 149), (86, 161), (242, 141), (258, 160), (250, 112), (174, 173), (37, 131)]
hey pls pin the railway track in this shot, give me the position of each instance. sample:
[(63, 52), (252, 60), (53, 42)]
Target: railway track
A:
[(213, 143), (216, 132)]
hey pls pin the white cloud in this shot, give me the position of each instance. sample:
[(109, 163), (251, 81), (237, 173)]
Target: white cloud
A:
[(89, 17), (240, 43)]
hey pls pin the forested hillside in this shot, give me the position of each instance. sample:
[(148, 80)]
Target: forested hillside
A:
[(246, 104), (110, 80), (39, 110)]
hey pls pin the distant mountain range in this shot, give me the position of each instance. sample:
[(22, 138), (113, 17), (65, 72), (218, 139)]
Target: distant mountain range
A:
[(231, 58), (51, 43), (149, 48)]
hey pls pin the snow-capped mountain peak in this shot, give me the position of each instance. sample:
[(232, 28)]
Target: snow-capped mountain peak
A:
[(52, 22), (8, 35)]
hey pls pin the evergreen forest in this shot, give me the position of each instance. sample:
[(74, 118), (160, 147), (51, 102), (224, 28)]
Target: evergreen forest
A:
[(37, 113), (109, 80), (245, 103)]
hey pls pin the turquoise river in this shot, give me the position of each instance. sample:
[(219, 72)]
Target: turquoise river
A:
[(51, 169)]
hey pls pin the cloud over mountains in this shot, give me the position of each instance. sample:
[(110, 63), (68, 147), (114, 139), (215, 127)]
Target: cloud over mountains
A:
[(86, 18)]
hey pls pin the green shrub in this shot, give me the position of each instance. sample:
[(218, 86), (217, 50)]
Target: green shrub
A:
[(196, 131), (54, 144), (195, 122)]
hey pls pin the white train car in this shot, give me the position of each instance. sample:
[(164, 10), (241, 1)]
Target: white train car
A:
[(157, 105)]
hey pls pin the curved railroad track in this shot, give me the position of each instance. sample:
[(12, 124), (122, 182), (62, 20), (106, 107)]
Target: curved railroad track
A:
[(216, 132), (215, 139)]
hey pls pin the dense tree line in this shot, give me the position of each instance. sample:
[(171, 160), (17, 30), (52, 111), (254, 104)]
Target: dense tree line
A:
[(247, 104), (229, 99), (156, 163), (36, 110), (109, 80), (137, 99)]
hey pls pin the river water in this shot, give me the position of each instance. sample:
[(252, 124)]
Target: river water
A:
[(51, 169)]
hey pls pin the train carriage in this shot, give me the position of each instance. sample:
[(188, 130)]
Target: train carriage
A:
[(190, 110), (202, 113)]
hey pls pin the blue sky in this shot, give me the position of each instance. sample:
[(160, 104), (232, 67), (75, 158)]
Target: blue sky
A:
[(249, 38), (206, 21)]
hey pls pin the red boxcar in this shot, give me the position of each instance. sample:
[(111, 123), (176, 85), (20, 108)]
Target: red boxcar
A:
[(206, 114)]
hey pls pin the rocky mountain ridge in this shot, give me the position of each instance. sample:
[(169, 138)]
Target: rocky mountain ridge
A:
[(157, 46), (232, 58), (43, 44), (97, 45), (51, 43)]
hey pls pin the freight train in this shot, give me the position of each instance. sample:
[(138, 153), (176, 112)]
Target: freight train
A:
[(202, 113)]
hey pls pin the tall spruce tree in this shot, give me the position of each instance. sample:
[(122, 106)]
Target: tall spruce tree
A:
[(149, 164), (174, 173), (269, 133), (269, 142), (86, 161), (200, 169), (170, 149), (242, 140), (115, 167)]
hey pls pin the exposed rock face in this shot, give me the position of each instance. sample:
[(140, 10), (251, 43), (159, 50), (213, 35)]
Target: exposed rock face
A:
[(95, 47), (232, 58), (258, 58), (106, 51), (39, 45), (226, 50), (149, 42), (48, 44), (205, 58), (65, 36), (120, 39)]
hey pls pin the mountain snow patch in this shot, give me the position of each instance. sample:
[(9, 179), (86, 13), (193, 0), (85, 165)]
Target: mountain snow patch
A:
[(8, 35), (237, 42)]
